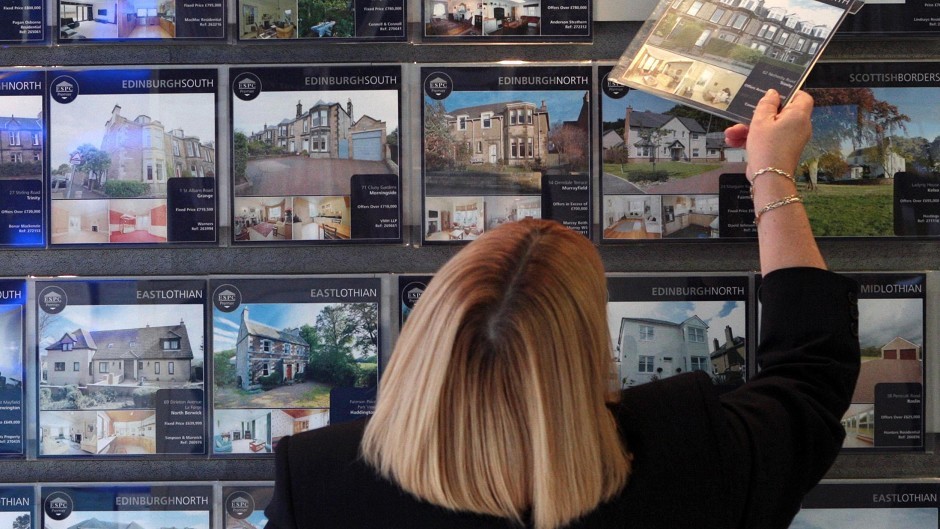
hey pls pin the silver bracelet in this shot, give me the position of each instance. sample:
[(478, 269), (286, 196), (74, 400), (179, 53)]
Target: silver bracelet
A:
[(768, 169), (785, 201)]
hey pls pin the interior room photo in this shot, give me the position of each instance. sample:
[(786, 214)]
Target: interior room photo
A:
[(137, 220), (263, 219), (502, 209), (79, 222), (248, 431), (497, 18), (67, 433), (453, 218), (322, 218), (690, 216), (268, 19), (633, 217), (117, 19), (126, 432)]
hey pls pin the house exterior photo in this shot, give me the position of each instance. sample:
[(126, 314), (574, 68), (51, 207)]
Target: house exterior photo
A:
[(122, 356), (142, 150), (328, 130), (21, 139), (679, 138), (514, 133), (261, 350), (650, 349), (773, 31), (869, 163)]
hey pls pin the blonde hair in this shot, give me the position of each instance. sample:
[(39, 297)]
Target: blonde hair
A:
[(494, 400)]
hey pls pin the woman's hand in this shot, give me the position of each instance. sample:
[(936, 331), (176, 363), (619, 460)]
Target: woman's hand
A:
[(775, 137)]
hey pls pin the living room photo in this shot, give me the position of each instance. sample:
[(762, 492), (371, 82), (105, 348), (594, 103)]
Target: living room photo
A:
[(459, 18), (117, 19)]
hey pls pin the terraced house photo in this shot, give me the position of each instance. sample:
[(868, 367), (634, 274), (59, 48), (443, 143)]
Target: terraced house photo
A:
[(22, 138)]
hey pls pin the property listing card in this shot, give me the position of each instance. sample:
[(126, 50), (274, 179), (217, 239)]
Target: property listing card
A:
[(22, 155), (508, 20), (12, 370), (871, 168), (666, 325), (662, 166), (291, 355), (243, 505), (339, 20), (893, 18), (316, 154), (504, 143), (120, 366), (22, 22), (875, 505), (410, 289), (887, 410), (85, 21), (133, 153), (146, 506), (16, 506)]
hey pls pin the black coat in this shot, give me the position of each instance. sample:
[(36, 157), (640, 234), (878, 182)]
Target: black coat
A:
[(701, 460)]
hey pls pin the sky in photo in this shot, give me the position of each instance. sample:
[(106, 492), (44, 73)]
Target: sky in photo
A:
[(563, 105), (913, 518), (20, 106), (882, 320), (111, 317), (716, 314), (83, 120), (145, 519), (812, 11), (11, 341), (270, 108), (278, 315)]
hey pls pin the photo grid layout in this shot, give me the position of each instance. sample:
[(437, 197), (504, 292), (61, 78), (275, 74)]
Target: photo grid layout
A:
[(526, 20), (667, 325), (244, 505), (133, 156), (88, 21), (290, 355), (876, 505), (504, 144), (22, 158), (872, 167), (662, 165), (121, 365), (722, 55), (139, 506), (264, 20), (12, 318), (316, 154)]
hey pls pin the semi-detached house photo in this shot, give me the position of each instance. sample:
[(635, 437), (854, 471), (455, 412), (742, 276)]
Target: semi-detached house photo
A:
[(22, 138)]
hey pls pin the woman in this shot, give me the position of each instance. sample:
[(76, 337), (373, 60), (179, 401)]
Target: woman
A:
[(494, 413)]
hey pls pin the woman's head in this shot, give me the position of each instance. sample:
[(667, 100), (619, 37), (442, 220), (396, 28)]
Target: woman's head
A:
[(494, 399)]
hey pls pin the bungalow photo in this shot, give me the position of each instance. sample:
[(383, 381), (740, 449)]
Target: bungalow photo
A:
[(109, 357), (292, 355), (462, 18), (655, 340), (891, 337), (22, 138), (258, 430), (656, 146), (503, 142), (130, 145), (862, 138), (311, 143)]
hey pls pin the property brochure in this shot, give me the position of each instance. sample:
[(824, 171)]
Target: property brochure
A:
[(243, 505), (22, 22), (505, 143), (120, 366), (290, 355), (874, 505), (887, 410), (133, 153), (666, 325), (721, 56), (12, 370), (87, 21), (16, 506), (22, 152), (316, 154), (341, 20), (410, 288), (662, 166), (871, 167), (893, 18), (137, 506), (508, 20)]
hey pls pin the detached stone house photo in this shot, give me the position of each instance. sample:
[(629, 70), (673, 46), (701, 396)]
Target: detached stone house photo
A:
[(262, 350), (648, 348), (313, 148)]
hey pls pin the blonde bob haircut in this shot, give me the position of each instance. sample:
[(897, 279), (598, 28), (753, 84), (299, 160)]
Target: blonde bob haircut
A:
[(494, 400)]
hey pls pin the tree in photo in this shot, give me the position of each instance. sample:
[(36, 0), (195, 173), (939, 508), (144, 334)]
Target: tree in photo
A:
[(653, 139), (441, 150), (340, 336), (240, 158), (22, 522), (571, 143), (335, 17), (94, 163)]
